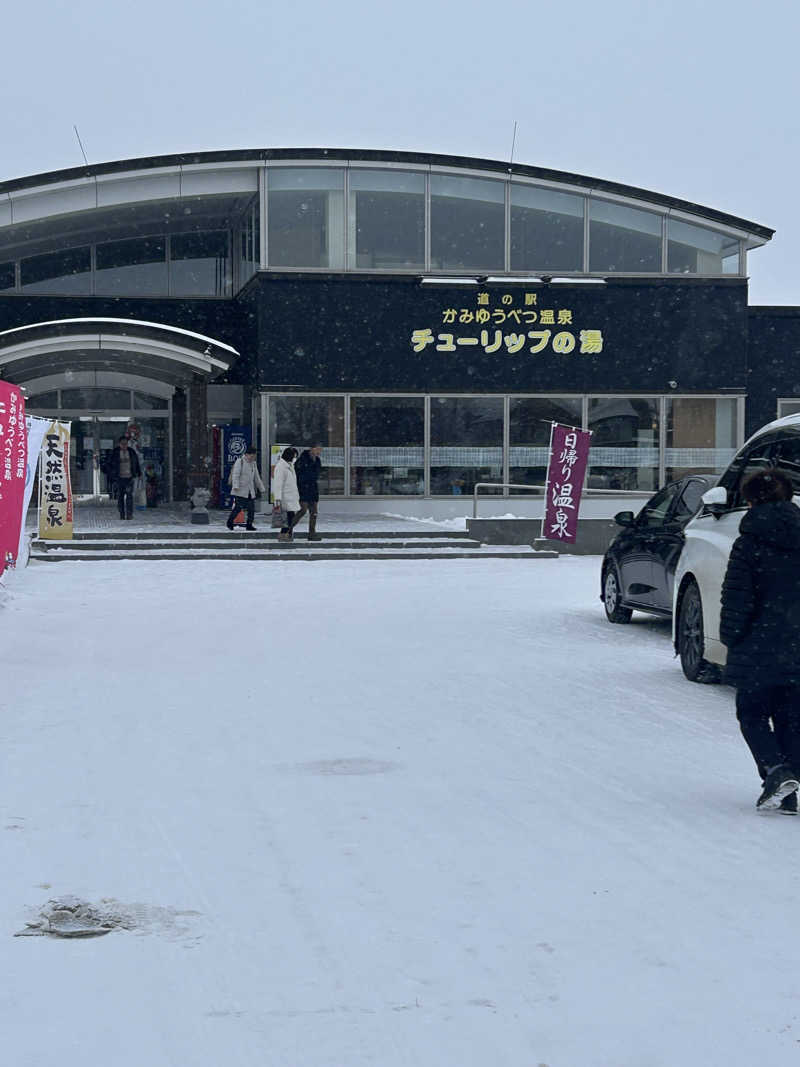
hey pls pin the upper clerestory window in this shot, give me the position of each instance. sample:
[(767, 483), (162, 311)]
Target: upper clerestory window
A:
[(623, 239), (697, 250)]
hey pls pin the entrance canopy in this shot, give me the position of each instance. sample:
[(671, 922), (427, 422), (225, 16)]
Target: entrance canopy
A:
[(127, 346)]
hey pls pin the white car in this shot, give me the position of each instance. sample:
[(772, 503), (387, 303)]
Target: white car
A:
[(708, 541)]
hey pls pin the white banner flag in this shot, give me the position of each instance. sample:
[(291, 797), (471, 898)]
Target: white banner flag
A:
[(36, 428)]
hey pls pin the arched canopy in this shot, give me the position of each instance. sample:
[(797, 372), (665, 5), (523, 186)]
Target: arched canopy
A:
[(128, 346)]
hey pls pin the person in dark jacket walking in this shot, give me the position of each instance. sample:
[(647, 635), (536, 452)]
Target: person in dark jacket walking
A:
[(123, 470), (760, 624), (308, 468)]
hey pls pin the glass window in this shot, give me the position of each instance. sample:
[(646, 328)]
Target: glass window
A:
[(386, 220), (691, 498), (787, 456), (43, 400), (624, 453), (701, 435), (623, 238), (199, 264), (467, 223), (529, 434), (387, 446), (788, 407), (146, 402), (136, 267), (96, 398), (655, 510), (249, 243), (7, 276), (65, 272), (758, 456), (696, 250), (466, 443), (546, 229), (305, 217), (303, 421)]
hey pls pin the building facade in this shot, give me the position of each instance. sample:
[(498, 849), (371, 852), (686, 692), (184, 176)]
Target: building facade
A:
[(425, 318)]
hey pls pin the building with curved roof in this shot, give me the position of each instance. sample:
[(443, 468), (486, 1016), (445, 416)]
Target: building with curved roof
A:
[(423, 317)]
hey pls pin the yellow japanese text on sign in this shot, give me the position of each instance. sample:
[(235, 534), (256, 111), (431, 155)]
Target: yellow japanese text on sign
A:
[(491, 329)]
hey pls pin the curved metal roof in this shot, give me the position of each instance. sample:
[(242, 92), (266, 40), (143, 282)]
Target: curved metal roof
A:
[(257, 156), (167, 353)]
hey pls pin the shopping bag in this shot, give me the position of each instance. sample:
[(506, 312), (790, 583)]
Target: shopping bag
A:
[(279, 517)]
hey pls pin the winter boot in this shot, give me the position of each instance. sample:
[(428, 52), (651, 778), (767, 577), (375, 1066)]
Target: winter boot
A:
[(779, 783)]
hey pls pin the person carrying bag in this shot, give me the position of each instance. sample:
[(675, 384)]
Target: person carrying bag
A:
[(284, 492)]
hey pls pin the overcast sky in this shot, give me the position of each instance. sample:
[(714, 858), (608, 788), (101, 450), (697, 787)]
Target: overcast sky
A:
[(694, 99)]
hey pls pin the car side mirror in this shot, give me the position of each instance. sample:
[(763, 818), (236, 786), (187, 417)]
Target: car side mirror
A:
[(624, 518), (715, 501)]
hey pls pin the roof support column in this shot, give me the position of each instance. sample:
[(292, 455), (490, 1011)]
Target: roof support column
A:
[(180, 449), (198, 474)]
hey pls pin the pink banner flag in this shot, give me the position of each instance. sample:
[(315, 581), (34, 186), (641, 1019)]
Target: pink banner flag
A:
[(13, 465), (569, 455)]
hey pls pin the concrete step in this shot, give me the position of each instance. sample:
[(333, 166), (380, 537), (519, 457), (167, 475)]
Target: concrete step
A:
[(245, 544), (215, 532), (284, 552)]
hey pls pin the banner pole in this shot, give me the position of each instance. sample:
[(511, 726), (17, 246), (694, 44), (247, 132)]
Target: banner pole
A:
[(547, 479)]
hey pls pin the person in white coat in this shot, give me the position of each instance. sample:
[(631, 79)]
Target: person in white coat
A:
[(245, 480), (284, 490)]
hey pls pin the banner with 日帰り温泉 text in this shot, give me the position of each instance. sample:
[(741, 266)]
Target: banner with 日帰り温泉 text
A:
[(13, 461), (55, 489), (566, 470)]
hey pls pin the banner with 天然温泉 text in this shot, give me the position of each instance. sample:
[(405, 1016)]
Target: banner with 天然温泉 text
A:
[(55, 489), (13, 462), (566, 470)]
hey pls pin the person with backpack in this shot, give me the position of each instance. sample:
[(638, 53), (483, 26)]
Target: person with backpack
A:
[(245, 481), (307, 469), (760, 624)]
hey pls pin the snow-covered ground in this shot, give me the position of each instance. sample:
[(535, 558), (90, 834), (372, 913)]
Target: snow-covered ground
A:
[(434, 814)]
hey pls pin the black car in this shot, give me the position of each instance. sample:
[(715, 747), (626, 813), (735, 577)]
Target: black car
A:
[(639, 564)]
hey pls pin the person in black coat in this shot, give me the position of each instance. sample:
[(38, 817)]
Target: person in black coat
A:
[(123, 470), (308, 468), (760, 624)]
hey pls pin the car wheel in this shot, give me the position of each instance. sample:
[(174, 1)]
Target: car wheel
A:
[(612, 598), (691, 638)]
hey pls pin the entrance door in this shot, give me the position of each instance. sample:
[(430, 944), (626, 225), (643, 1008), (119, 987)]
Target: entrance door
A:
[(93, 439)]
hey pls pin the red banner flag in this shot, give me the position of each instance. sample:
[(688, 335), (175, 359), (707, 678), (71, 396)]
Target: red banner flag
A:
[(13, 466), (569, 456)]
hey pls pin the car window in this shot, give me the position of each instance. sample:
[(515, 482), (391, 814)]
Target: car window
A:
[(756, 458), (655, 510), (690, 500), (786, 455)]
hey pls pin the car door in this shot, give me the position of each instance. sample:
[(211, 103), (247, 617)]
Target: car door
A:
[(667, 543), (636, 564)]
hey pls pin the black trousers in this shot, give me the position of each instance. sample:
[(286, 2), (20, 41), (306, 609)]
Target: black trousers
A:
[(311, 507), (125, 497), (246, 504), (769, 718)]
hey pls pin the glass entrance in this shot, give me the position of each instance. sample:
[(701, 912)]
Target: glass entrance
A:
[(98, 417), (94, 437)]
